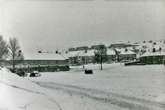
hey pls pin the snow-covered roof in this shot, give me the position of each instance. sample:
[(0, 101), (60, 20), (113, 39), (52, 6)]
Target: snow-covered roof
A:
[(130, 48), (79, 53), (43, 56), (119, 50), (127, 52), (158, 53), (111, 52), (88, 53), (66, 55), (74, 53)]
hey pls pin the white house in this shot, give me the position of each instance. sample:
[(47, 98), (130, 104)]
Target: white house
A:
[(111, 55)]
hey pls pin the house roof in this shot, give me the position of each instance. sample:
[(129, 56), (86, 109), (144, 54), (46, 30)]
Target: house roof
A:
[(150, 53), (79, 53), (66, 55), (43, 56), (127, 52), (120, 50), (111, 52), (88, 53), (74, 53)]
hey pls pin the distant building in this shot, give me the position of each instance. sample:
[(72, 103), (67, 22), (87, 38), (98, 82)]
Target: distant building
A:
[(82, 48), (45, 62), (95, 47), (80, 57), (130, 45), (111, 56), (117, 45), (152, 57), (126, 56), (72, 49), (86, 57), (122, 45), (72, 55)]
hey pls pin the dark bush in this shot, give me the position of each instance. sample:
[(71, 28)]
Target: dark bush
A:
[(12, 70), (21, 73)]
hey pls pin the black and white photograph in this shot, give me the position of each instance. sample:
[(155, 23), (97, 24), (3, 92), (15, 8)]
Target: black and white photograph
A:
[(82, 55)]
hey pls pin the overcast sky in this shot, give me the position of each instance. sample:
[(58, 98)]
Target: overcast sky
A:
[(52, 24)]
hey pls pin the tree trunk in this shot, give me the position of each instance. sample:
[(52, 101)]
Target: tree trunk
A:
[(13, 65), (101, 62), (13, 62)]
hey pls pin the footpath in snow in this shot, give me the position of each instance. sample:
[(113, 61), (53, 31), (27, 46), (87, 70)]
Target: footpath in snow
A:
[(18, 93)]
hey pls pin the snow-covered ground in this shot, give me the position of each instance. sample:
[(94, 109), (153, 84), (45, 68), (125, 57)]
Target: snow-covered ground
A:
[(116, 87)]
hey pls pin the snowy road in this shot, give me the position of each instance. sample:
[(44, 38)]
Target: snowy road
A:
[(108, 99), (116, 87)]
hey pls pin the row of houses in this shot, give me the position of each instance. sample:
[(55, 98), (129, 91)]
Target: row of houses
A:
[(112, 46), (80, 48), (88, 56), (150, 53), (61, 62), (83, 55)]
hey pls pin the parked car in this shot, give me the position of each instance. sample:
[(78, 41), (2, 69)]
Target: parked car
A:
[(35, 74), (88, 71)]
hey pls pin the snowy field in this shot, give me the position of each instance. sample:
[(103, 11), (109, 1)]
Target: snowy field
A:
[(116, 87)]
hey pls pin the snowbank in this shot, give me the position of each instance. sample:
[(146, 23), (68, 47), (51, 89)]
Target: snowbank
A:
[(19, 93)]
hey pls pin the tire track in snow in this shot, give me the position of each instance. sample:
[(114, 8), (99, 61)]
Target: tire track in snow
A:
[(107, 97), (26, 106)]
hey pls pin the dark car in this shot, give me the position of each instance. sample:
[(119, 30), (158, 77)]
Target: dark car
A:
[(88, 71)]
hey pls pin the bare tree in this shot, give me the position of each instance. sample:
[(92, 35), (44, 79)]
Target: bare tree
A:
[(15, 53), (101, 53), (3, 49)]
